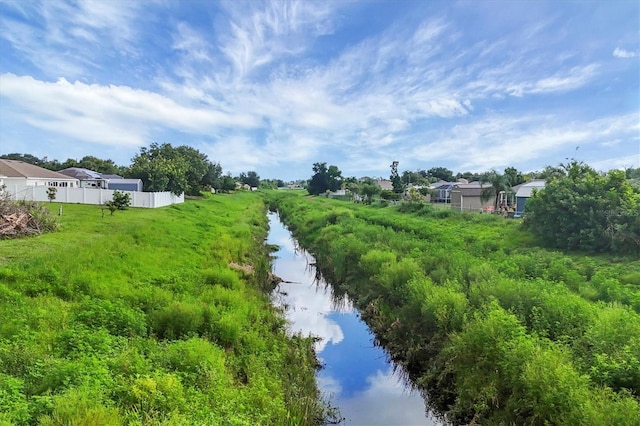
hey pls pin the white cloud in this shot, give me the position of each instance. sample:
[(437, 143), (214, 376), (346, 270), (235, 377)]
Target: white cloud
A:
[(109, 115), (259, 35), (619, 52), (400, 407), (500, 140), (309, 303), (623, 162)]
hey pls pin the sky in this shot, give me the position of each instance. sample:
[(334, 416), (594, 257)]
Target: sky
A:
[(275, 86)]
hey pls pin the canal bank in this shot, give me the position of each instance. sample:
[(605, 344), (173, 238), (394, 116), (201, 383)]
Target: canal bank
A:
[(356, 376)]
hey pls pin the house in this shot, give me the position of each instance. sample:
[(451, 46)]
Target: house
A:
[(524, 192), (468, 196), (20, 174), (442, 191), (384, 184), (90, 179)]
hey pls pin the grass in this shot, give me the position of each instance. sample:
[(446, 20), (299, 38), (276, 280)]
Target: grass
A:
[(138, 318), (495, 328)]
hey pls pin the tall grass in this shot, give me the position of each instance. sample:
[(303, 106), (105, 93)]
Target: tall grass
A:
[(493, 328), (142, 318)]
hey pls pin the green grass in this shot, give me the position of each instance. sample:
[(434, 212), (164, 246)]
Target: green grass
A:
[(138, 318), (495, 328)]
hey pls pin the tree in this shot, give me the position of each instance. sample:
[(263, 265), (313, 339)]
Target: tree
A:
[(179, 170), (250, 178), (228, 183), (469, 176), (213, 177), (441, 173), (498, 183), (632, 173), (51, 193), (586, 210), (396, 181), (120, 201), (369, 190), (97, 165), (335, 178), (27, 158), (409, 177), (514, 177), (197, 168), (324, 179)]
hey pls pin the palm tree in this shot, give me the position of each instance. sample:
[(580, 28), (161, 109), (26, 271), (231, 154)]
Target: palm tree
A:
[(499, 184)]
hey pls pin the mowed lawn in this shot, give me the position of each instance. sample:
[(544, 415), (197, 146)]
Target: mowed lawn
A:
[(149, 316)]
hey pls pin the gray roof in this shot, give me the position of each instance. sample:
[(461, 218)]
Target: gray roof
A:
[(15, 168), (385, 184), (473, 189), (80, 173), (120, 180), (526, 189)]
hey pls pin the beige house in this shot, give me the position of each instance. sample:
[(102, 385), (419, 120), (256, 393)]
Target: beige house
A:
[(468, 197), (385, 184), (21, 174)]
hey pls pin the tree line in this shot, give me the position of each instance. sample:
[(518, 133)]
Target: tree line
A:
[(161, 167), (579, 208)]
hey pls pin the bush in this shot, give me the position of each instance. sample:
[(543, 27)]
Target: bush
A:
[(14, 408), (177, 321), (120, 201), (116, 317)]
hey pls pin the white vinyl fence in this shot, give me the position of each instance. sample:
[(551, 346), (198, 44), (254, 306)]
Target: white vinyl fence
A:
[(92, 196)]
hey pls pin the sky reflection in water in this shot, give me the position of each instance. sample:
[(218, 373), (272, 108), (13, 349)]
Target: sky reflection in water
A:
[(356, 374)]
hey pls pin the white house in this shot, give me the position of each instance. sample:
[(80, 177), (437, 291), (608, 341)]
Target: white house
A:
[(23, 174)]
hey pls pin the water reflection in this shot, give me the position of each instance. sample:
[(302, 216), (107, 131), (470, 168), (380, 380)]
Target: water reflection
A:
[(356, 375)]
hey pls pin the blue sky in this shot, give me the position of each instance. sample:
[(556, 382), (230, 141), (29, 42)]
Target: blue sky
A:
[(274, 86)]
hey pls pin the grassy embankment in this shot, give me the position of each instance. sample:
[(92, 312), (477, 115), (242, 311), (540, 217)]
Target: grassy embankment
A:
[(494, 328), (138, 318)]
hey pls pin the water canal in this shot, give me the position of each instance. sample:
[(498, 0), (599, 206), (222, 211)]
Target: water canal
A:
[(357, 378)]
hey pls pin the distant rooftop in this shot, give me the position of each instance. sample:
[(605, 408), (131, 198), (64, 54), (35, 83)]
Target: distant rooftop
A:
[(16, 168), (80, 173)]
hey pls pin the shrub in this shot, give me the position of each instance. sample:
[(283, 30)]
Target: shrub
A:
[(176, 321), (115, 316), (81, 407), (222, 276), (199, 362), (120, 201), (14, 408)]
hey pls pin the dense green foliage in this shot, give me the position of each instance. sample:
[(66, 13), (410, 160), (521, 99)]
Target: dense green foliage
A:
[(586, 210), (495, 329), (153, 317), (396, 180), (250, 178), (175, 169), (324, 179), (120, 201)]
